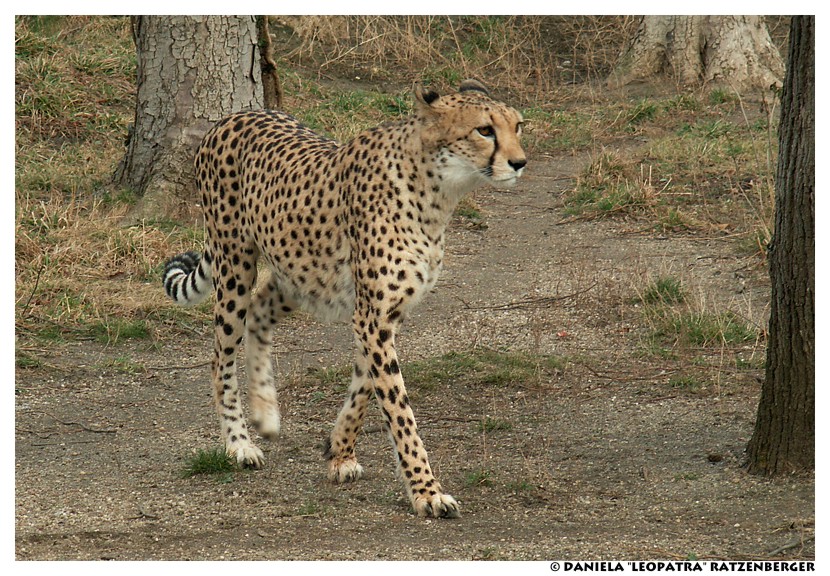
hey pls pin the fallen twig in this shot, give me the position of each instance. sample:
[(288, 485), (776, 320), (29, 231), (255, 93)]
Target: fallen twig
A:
[(794, 543), (531, 302), (188, 367), (32, 293), (80, 424), (625, 377)]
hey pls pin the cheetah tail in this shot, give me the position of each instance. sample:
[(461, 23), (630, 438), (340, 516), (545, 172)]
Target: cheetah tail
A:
[(187, 278)]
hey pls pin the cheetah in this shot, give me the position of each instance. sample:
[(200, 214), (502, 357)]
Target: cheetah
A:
[(350, 231)]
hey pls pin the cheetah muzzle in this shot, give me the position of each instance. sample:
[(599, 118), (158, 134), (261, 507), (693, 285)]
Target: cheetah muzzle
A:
[(347, 231)]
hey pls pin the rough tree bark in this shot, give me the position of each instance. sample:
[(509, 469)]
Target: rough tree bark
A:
[(734, 51), (784, 436), (191, 71)]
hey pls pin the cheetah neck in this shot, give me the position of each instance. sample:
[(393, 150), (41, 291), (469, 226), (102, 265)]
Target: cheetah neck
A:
[(454, 177), (445, 184), (426, 181)]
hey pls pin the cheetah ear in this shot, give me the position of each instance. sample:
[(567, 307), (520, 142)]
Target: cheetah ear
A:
[(424, 97), (471, 84)]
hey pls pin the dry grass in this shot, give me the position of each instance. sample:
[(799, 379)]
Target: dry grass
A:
[(80, 273), (527, 57)]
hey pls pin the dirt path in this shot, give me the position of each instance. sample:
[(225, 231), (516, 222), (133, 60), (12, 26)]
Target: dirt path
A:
[(603, 460)]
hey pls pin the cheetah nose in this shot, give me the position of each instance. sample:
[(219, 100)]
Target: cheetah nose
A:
[(517, 164)]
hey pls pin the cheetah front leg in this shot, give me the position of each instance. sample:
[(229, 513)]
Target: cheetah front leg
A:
[(424, 490), (425, 493)]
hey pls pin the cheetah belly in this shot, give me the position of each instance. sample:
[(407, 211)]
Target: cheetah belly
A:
[(336, 305), (329, 297)]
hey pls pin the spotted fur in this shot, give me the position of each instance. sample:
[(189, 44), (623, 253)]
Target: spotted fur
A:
[(347, 232)]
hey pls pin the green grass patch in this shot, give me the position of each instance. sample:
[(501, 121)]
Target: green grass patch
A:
[(689, 327), (519, 486), (468, 212), (119, 197), (79, 273), (480, 366), (338, 377), (643, 111), (73, 76), (652, 345), (682, 103), (755, 362), (212, 462), (706, 329), (478, 478), (112, 330), (675, 219), (50, 334), (26, 360), (309, 508), (676, 326), (755, 242), (702, 170), (719, 96), (688, 383), (435, 372), (665, 290), (489, 425), (443, 74), (124, 365)]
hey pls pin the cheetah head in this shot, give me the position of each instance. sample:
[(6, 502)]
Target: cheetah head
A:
[(475, 137)]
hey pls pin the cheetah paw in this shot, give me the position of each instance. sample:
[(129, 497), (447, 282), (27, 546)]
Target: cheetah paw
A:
[(268, 424), (436, 506), (345, 471), (248, 456)]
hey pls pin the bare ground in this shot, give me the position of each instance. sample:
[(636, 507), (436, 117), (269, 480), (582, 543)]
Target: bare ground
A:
[(602, 460)]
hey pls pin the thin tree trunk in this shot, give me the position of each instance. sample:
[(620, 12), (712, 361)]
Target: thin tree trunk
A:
[(271, 87), (191, 71), (784, 437)]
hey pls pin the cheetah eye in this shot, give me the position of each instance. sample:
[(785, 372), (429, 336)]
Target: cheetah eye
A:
[(486, 131)]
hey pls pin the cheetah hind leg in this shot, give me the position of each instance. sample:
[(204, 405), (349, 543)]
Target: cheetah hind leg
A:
[(268, 306), (340, 446)]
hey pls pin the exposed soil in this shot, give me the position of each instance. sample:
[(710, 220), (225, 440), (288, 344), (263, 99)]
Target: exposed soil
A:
[(604, 460)]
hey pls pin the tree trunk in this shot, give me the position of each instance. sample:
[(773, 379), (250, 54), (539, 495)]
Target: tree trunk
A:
[(784, 437), (733, 51), (271, 87), (191, 71)]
